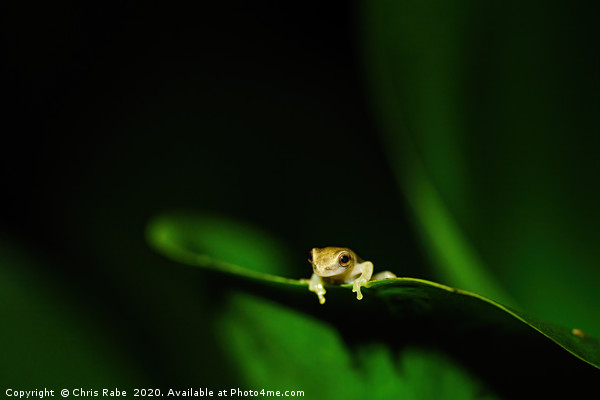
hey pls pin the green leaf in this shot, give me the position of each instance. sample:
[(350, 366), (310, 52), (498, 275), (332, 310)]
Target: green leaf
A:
[(411, 55), (486, 119), (431, 315), (277, 348)]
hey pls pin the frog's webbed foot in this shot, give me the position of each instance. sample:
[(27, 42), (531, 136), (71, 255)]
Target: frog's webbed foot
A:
[(320, 291), (315, 284), (321, 296), (358, 282)]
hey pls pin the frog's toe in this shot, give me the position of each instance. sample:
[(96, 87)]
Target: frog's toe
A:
[(356, 289), (321, 293)]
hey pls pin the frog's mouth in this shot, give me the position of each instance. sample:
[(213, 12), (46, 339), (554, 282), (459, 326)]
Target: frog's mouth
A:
[(327, 271)]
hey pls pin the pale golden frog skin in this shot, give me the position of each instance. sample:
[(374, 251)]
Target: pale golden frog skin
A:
[(339, 265)]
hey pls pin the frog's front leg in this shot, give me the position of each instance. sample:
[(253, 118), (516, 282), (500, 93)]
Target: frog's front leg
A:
[(366, 271), (316, 285)]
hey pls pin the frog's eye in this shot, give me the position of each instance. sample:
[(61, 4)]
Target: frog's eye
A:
[(310, 256), (344, 259)]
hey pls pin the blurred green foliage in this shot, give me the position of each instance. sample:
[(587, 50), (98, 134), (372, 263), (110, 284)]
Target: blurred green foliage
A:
[(481, 174), (47, 338), (487, 116), (311, 355)]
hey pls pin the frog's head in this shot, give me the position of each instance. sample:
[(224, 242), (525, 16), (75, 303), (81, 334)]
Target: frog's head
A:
[(331, 261)]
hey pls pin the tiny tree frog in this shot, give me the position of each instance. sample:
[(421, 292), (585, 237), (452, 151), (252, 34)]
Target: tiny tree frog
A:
[(339, 265)]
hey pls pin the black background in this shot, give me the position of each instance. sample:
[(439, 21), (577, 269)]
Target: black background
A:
[(112, 114)]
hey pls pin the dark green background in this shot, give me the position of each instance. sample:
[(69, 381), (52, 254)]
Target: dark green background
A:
[(319, 124)]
